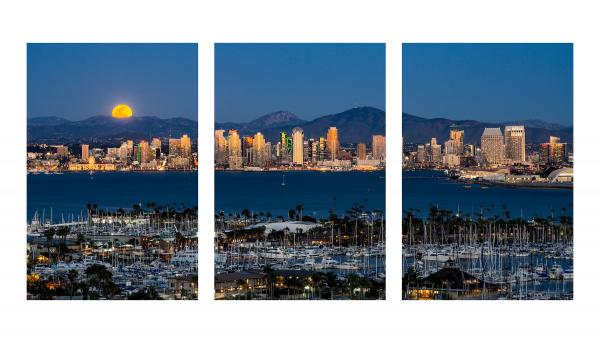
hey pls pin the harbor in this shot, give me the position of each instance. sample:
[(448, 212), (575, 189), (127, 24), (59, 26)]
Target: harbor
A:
[(148, 252)]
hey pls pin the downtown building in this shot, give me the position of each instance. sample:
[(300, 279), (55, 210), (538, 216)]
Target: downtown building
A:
[(492, 145)]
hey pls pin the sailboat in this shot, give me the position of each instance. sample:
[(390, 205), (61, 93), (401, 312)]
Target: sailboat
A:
[(283, 180)]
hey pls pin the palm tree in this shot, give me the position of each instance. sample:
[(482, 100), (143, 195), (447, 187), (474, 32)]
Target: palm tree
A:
[(270, 274), (49, 234), (72, 275)]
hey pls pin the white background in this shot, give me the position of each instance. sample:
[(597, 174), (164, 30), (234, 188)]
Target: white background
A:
[(303, 21)]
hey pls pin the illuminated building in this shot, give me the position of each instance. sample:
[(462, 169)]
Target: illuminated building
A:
[(185, 146), (85, 152), (553, 152), (259, 148), (333, 145), (379, 147), (514, 143), (361, 151), (298, 146), (220, 147), (62, 151), (234, 147), (174, 145), (492, 145)]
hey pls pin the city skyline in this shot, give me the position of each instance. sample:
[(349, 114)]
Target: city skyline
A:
[(255, 79), (154, 79), (489, 82)]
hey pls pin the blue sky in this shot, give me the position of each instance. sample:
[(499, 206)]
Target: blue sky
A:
[(310, 80), (76, 81), (489, 82)]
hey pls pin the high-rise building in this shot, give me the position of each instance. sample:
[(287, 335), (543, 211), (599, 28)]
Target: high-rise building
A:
[(185, 145), (234, 147), (492, 145), (333, 145), (220, 147), (298, 146), (553, 152), (156, 145), (85, 152), (259, 148), (174, 146), (143, 152), (436, 151), (379, 147), (421, 155), (62, 151), (514, 143), (361, 151), (458, 136), (123, 152)]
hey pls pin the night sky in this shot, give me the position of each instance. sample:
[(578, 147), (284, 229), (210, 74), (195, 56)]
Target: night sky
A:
[(77, 81), (489, 82), (310, 80)]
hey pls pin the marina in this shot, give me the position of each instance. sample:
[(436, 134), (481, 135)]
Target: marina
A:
[(146, 253), (494, 252)]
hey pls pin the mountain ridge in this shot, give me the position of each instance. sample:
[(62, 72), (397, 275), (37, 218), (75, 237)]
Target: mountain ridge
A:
[(354, 125), (419, 130)]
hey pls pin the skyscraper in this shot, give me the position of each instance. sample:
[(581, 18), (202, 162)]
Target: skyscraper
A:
[(186, 146), (379, 147), (234, 145), (514, 143), (333, 145), (220, 147), (553, 152), (259, 148), (298, 146), (174, 145), (361, 151), (85, 152), (492, 145)]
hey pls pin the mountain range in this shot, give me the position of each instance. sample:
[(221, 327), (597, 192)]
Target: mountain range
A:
[(420, 130), (355, 125), (57, 130)]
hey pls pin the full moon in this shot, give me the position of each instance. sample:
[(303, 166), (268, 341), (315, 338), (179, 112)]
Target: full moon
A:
[(122, 111)]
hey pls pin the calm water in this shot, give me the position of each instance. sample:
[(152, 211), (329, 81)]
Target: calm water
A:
[(68, 193), (422, 188), (263, 191)]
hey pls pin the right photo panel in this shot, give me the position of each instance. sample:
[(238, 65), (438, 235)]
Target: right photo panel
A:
[(487, 183)]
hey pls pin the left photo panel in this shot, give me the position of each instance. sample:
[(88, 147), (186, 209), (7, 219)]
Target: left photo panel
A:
[(112, 183)]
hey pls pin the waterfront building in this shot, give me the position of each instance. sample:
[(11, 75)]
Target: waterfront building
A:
[(451, 160), (458, 137), (322, 149), (174, 145), (143, 152), (298, 146), (379, 147), (514, 143), (469, 150), (333, 145), (247, 151), (421, 155), (435, 151), (156, 145), (259, 150), (234, 146), (220, 147), (553, 152), (62, 151), (492, 145), (361, 151), (85, 152), (314, 151), (92, 165), (123, 152), (186, 146)]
